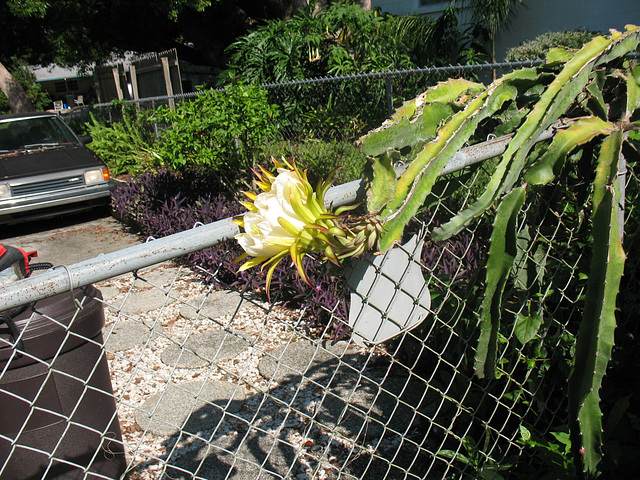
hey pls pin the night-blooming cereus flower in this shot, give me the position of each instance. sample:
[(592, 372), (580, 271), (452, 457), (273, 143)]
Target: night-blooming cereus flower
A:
[(289, 218)]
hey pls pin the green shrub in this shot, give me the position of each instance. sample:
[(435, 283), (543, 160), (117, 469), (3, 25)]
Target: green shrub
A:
[(342, 38), (538, 47), (126, 147), (219, 129), (320, 158)]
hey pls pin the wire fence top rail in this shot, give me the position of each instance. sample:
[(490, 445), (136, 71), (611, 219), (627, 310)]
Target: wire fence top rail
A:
[(356, 76), (416, 71)]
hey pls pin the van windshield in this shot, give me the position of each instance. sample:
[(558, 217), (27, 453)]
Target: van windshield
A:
[(34, 133)]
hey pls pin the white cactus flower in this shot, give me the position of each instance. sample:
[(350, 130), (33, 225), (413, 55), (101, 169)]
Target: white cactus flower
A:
[(289, 218)]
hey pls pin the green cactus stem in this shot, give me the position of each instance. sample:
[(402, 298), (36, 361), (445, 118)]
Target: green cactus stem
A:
[(427, 131), (596, 333), (502, 252), (581, 131), (416, 182), (553, 103), (417, 120)]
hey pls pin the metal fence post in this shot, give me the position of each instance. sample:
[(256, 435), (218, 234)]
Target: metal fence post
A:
[(388, 88)]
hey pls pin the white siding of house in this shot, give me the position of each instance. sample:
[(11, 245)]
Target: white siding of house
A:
[(535, 17)]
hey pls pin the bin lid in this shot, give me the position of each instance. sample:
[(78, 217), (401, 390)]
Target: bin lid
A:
[(54, 322)]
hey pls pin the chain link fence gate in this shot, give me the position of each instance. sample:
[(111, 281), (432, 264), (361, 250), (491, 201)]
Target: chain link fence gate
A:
[(214, 383)]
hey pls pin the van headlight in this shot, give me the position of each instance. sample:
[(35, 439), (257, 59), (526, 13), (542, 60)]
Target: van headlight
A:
[(93, 176), (5, 190)]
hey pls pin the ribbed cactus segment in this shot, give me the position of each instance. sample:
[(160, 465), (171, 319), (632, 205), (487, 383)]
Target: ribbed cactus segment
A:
[(596, 334), (430, 129), (553, 103), (502, 253), (581, 131), (416, 182), (417, 120), (413, 124)]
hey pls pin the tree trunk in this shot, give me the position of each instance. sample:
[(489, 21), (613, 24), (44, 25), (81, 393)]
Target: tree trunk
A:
[(18, 100)]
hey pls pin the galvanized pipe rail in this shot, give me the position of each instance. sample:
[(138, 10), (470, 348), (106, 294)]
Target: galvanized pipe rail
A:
[(64, 278)]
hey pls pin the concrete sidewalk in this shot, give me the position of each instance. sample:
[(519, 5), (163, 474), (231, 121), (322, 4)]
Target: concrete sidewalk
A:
[(70, 239)]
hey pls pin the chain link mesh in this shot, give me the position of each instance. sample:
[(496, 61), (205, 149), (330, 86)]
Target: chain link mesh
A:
[(210, 382)]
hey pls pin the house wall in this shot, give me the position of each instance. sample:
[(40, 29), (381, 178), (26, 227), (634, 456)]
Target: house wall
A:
[(535, 17), (409, 7), (65, 84)]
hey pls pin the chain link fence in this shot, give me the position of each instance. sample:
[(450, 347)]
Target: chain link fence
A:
[(339, 108), (211, 382), (157, 369)]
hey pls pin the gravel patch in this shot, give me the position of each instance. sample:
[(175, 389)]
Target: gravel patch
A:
[(109, 293), (144, 301), (362, 408), (216, 304), (241, 456), (218, 383), (164, 277), (315, 361), (127, 334)]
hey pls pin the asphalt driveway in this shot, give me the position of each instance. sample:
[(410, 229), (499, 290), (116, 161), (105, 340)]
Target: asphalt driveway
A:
[(70, 239)]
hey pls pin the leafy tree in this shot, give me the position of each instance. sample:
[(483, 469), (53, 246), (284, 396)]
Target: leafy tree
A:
[(342, 39), (492, 16), (436, 41), (339, 39), (70, 32), (76, 32)]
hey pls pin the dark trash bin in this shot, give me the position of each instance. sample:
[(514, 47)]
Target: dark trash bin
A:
[(57, 411)]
